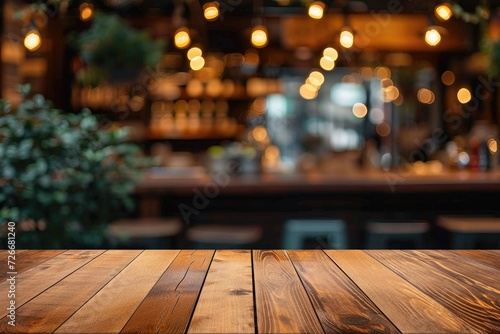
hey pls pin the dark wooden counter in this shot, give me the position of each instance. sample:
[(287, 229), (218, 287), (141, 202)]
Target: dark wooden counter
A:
[(259, 291), (356, 181)]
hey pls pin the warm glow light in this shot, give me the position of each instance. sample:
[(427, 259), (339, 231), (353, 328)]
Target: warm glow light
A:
[(194, 88), (443, 11), (33, 40), (327, 63), (307, 92), (359, 110), (426, 96), (346, 38), (382, 72), (331, 52), (366, 73), (259, 105), (272, 152), (194, 52), (259, 133), (448, 78), (259, 36), (211, 11), (391, 93), (383, 129), (464, 95), (86, 11), (316, 10), (181, 38), (197, 63), (432, 37), (492, 146), (316, 78)]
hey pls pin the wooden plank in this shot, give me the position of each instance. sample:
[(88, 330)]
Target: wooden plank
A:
[(488, 257), (282, 303), (478, 307), (27, 260), (341, 306), (169, 305), (225, 304), (36, 280), (110, 309), (4, 253), (470, 272), (409, 309), (49, 310)]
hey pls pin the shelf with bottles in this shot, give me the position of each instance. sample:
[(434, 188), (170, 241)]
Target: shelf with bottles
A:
[(192, 119)]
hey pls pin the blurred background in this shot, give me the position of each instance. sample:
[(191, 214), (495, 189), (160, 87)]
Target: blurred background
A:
[(237, 123)]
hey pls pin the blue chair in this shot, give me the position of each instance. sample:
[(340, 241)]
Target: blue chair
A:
[(297, 231), (380, 235)]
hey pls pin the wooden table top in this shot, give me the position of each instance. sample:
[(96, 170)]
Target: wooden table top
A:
[(253, 291)]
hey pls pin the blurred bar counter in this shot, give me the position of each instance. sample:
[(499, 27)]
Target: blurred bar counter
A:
[(357, 197), (357, 181)]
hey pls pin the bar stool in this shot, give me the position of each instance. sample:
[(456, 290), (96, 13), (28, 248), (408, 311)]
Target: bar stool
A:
[(297, 231), (381, 234), (215, 236), (469, 232), (148, 232)]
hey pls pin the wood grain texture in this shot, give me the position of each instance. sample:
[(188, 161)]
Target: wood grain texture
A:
[(488, 257), (341, 306), (282, 303), (225, 304), (409, 309), (49, 310), (36, 280), (109, 310), (470, 272), (25, 261), (478, 307), (169, 305), (5, 253)]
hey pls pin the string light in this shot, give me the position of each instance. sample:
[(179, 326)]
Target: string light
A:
[(181, 38), (33, 40), (211, 11), (443, 11), (259, 37), (432, 36), (86, 11), (316, 10), (346, 38)]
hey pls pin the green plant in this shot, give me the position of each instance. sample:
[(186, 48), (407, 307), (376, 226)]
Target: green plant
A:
[(110, 45), (63, 172)]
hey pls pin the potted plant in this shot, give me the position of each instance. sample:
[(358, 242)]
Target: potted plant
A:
[(63, 176), (113, 51)]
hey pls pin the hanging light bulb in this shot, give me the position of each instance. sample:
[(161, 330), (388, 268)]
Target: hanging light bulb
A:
[(86, 11), (33, 40), (316, 10), (346, 37), (259, 36), (211, 11), (181, 38), (443, 11), (194, 52), (432, 36)]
